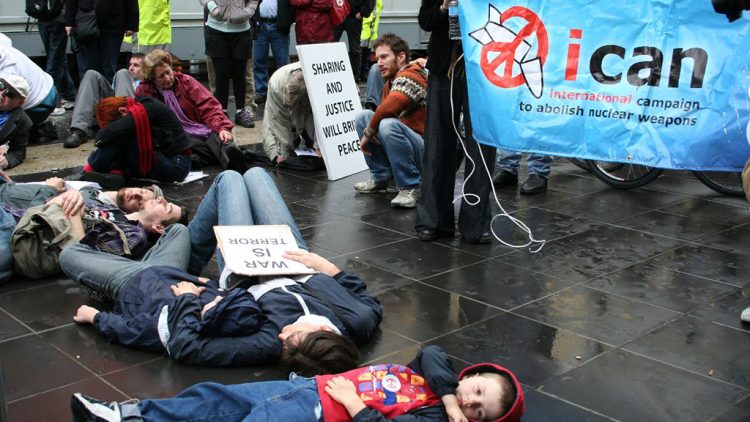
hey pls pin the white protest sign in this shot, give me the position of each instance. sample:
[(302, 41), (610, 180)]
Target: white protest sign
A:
[(258, 250), (335, 103)]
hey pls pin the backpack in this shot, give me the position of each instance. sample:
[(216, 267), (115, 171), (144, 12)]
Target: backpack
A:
[(39, 237), (44, 9), (339, 12)]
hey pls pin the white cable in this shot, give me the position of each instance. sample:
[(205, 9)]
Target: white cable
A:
[(464, 196)]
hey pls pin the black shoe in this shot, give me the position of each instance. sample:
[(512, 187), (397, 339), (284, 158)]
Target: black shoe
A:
[(76, 138), (259, 99), (87, 409), (484, 239), (108, 181), (428, 235), (534, 184), (245, 118), (236, 160), (505, 178)]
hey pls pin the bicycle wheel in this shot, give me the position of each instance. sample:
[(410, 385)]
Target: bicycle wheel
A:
[(727, 183), (579, 163), (585, 165), (623, 176)]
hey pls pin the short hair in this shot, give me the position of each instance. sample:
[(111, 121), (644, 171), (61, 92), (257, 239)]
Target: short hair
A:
[(507, 390), (296, 92), (138, 56), (320, 352), (156, 58), (396, 43), (107, 111)]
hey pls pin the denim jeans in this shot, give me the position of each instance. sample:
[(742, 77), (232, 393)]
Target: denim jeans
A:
[(55, 42), (267, 34), (234, 199), (100, 54), (375, 84), (295, 400), (536, 163), (399, 152), (107, 274), (7, 224)]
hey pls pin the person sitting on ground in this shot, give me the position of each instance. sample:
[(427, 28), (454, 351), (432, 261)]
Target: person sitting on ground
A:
[(93, 88), (208, 128), (427, 389), (139, 138), (391, 136), (288, 113), (331, 304), (15, 125)]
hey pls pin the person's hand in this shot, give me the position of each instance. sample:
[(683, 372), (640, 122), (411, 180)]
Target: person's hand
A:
[(129, 33), (312, 260), (185, 287), (343, 391), (70, 201), (203, 280), (453, 409), (421, 61), (364, 144), (5, 176), (56, 183), (318, 153), (279, 159), (358, 16), (69, 30), (445, 5), (85, 315), (225, 136)]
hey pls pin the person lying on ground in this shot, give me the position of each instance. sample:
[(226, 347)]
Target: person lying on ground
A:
[(427, 389)]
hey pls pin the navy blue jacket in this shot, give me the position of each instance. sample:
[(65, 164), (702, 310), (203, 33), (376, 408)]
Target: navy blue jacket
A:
[(361, 314), (135, 316)]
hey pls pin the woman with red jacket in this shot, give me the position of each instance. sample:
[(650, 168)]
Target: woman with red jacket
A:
[(208, 128), (313, 19)]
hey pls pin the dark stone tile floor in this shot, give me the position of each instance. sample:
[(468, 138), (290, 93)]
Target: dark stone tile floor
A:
[(630, 312)]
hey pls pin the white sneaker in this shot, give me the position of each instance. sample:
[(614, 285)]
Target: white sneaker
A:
[(90, 409), (67, 105), (406, 198), (371, 186), (745, 315), (58, 111)]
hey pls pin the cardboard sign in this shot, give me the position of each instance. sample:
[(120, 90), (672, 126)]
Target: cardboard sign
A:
[(335, 103), (258, 250)]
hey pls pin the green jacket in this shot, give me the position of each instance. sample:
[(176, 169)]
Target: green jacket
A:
[(155, 24), (370, 25)]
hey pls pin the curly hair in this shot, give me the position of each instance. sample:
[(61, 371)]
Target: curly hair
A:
[(296, 96), (107, 111), (397, 44), (320, 352), (156, 58)]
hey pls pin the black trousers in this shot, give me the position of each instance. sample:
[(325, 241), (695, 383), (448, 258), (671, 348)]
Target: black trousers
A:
[(441, 155), (353, 28), (210, 150)]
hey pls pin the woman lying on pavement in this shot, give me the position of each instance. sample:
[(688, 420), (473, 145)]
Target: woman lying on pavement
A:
[(309, 318)]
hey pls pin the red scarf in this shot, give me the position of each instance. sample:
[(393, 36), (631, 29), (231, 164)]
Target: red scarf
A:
[(146, 154)]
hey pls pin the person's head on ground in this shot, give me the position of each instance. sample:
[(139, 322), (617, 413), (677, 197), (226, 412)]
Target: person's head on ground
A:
[(489, 392), (319, 352), (135, 66), (296, 96), (157, 214), (13, 92), (158, 68), (131, 199), (392, 53)]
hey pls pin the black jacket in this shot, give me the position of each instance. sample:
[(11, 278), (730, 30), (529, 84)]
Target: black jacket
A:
[(16, 132), (441, 47), (364, 7), (357, 315), (167, 134), (113, 16)]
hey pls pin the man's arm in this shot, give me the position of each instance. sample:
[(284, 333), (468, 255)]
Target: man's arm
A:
[(18, 141)]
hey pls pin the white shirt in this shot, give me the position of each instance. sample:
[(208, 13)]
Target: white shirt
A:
[(13, 62), (268, 9)]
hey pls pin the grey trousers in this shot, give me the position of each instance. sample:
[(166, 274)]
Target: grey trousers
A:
[(93, 88)]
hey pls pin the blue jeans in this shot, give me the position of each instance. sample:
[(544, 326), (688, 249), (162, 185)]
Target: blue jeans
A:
[(537, 163), (7, 224), (234, 199), (55, 42), (375, 84), (399, 153), (295, 400), (266, 34), (100, 54), (107, 274)]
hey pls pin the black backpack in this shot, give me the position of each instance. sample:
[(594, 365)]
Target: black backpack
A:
[(44, 9)]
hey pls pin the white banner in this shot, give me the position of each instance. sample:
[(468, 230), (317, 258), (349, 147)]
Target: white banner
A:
[(335, 103)]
